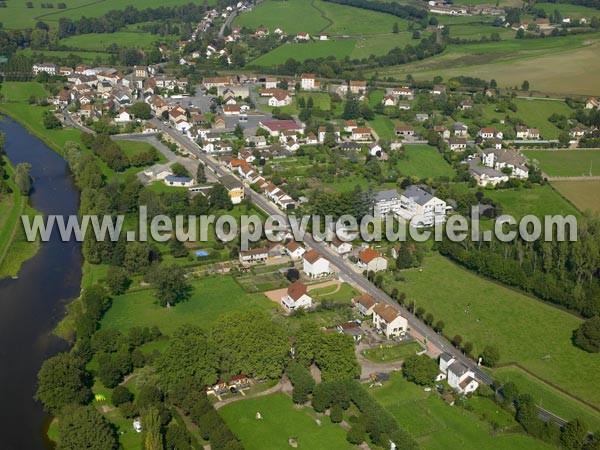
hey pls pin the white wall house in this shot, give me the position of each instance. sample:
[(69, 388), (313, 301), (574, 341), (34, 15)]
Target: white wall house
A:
[(459, 377), (386, 202), (389, 320), (365, 304), (314, 265), (294, 250), (296, 297), (369, 260)]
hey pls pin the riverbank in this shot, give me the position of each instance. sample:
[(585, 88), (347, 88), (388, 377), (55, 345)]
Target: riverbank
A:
[(14, 247)]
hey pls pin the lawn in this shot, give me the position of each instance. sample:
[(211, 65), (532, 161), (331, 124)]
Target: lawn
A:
[(212, 297), (292, 16), (387, 353), (380, 45), (343, 294), (351, 21), (550, 398), (437, 425), (424, 161), (539, 201), (86, 57), (382, 125), (300, 52), (526, 330), (281, 421), (567, 163), (583, 194)]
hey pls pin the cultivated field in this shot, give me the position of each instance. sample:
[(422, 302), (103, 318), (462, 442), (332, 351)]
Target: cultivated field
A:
[(281, 421), (437, 425), (584, 194), (567, 163), (526, 330), (511, 61)]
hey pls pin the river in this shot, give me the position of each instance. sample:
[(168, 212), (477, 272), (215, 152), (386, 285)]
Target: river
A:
[(32, 304)]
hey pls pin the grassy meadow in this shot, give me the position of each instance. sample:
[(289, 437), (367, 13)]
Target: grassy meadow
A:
[(424, 161), (567, 163), (526, 330), (438, 426), (281, 421)]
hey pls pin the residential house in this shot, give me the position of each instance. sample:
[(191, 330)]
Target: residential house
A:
[(460, 129), (420, 208), (314, 265), (296, 297), (457, 144), (404, 130), (375, 149), (485, 175), (592, 103), (370, 260), (506, 159), (294, 250), (254, 256), (389, 320), (339, 246), (490, 133), (234, 187), (271, 83), (442, 131), (364, 304), (358, 87), (350, 125), (466, 104), (123, 116), (459, 377), (274, 127), (280, 99), (303, 36), (308, 82), (389, 100), (172, 180), (49, 68), (361, 134)]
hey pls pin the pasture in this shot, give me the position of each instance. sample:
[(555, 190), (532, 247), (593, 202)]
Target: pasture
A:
[(567, 163), (438, 426), (510, 62), (525, 329), (300, 52), (17, 15), (99, 42), (424, 161), (583, 194), (346, 20), (281, 420), (211, 298), (550, 398)]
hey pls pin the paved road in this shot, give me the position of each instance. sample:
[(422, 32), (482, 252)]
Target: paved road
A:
[(70, 121), (227, 23), (347, 273)]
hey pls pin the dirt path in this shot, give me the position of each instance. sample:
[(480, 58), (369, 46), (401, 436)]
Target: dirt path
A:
[(276, 295), (283, 385)]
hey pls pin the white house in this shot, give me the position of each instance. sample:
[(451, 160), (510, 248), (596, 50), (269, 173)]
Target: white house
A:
[(49, 68), (459, 377), (420, 205), (370, 260), (485, 175), (389, 320), (308, 82), (253, 256), (457, 144), (123, 116), (365, 304), (172, 180), (280, 99), (294, 250), (340, 247), (506, 158), (489, 133), (314, 265), (296, 297)]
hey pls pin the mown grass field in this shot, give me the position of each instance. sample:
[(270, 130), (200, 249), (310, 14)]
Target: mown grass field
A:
[(86, 57), (550, 398), (583, 194), (281, 421), (525, 330), (438, 426), (300, 52), (99, 42), (389, 353), (567, 163), (351, 21), (424, 161), (16, 15), (211, 297), (511, 61), (292, 16)]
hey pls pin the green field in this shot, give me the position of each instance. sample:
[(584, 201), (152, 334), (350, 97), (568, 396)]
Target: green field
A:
[(539, 201), (212, 297), (567, 163), (550, 398), (16, 15), (424, 161), (511, 61), (353, 21), (568, 10), (526, 330), (99, 42), (392, 352), (583, 194), (281, 421), (86, 57), (301, 52), (438, 426), (292, 16)]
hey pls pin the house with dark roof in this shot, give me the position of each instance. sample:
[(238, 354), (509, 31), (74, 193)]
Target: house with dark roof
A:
[(421, 208), (459, 377), (385, 202)]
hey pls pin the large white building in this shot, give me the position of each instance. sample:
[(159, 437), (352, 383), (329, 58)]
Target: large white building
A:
[(421, 208), (386, 202), (49, 68), (506, 158)]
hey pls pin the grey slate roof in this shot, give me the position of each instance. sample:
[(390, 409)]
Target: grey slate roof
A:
[(386, 195), (418, 195)]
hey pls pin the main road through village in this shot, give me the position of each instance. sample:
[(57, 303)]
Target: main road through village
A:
[(345, 269)]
